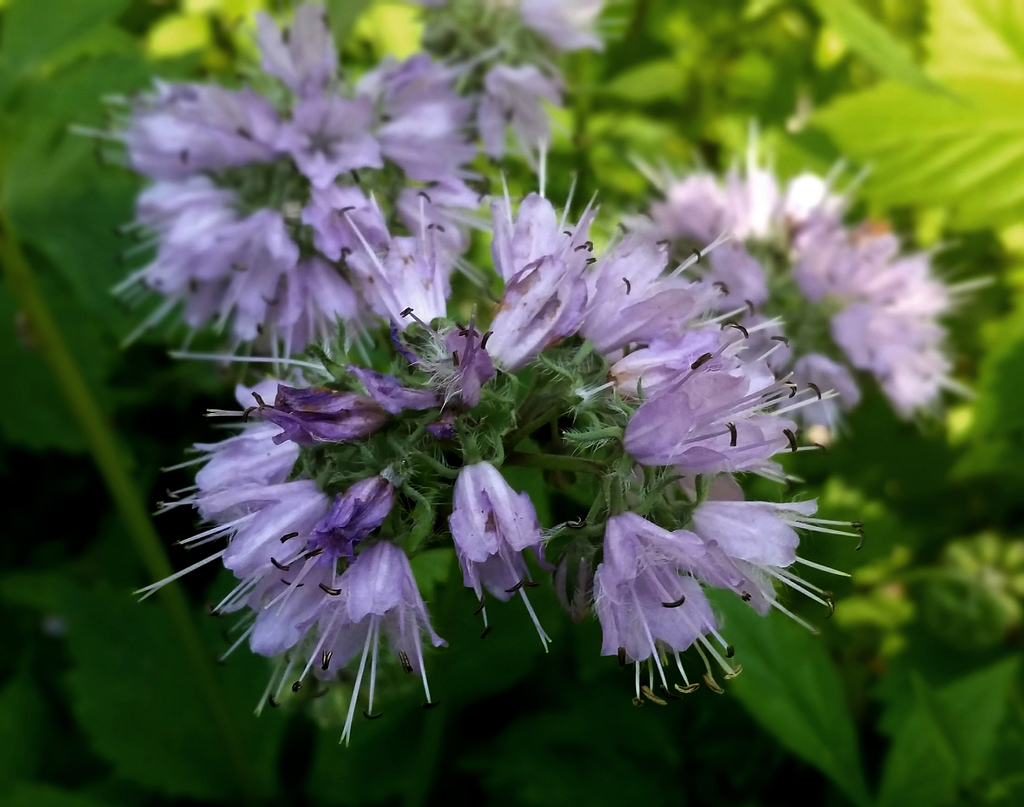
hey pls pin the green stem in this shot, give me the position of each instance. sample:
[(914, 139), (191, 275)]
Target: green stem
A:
[(554, 462), (109, 460), (523, 432)]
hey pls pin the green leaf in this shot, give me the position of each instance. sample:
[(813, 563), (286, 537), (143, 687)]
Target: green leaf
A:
[(873, 43), (38, 794), (133, 697), (657, 80), (790, 686), (34, 33), (343, 15), (965, 152), (980, 38), (947, 737)]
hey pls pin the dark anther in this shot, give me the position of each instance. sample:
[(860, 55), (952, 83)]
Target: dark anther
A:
[(730, 651), (406, 312), (314, 553), (782, 339), (816, 388), (686, 690), (296, 686), (368, 716), (664, 242), (283, 567), (483, 342), (583, 246), (732, 433), (666, 694), (259, 400), (568, 233), (325, 659), (286, 582), (516, 587), (273, 703), (698, 253), (480, 607), (530, 584), (486, 631), (674, 603), (793, 388), (637, 701), (589, 245), (243, 133), (622, 657), (734, 672), (247, 412), (702, 360), (183, 155), (431, 704), (652, 697), (745, 596), (455, 358), (403, 657), (830, 604), (718, 284), (326, 589), (238, 267), (629, 286), (435, 226), (345, 252), (355, 176), (750, 306), (860, 543), (426, 196), (738, 327), (289, 535), (713, 685), (791, 437), (345, 210), (591, 261)]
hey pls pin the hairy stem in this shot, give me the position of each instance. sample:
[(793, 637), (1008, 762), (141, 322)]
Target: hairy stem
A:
[(554, 462), (109, 459)]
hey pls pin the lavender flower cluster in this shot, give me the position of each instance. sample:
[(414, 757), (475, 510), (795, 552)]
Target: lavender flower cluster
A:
[(613, 370), (849, 295)]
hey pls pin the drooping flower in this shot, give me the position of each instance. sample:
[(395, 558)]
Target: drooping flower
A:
[(647, 605), (492, 526), (566, 24), (513, 97)]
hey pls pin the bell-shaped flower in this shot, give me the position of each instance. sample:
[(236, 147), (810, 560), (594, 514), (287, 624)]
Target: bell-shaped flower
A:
[(566, 24), (513, 96), (411, 277), (335, 213), (492, 526), (537, 232), (353, 516)]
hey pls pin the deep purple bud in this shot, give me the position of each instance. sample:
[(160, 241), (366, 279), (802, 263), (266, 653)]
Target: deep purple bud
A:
[(354, 515), (320, 415), (444, 427), (473, 365), (388, 391)]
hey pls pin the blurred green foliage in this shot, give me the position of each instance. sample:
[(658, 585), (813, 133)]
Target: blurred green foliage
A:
[(911, 695)]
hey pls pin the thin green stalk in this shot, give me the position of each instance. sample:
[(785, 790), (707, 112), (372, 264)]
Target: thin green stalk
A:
[(109, 459)]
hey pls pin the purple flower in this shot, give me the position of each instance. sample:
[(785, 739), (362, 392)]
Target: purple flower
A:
[(629, 299), (739, 277), (182, 129), (328, 136), (645, 602), (565, 24), (389, 393), (513, 96), (436, 208), (411, 277), (709, 422), (824, 375), (320, 415), (492, 525), (424, 129), (314, 297), (542, 304), (537, 233), (472, 365), (377, 592), (694, 208), (304, 58), (336, 213), (354, 515)]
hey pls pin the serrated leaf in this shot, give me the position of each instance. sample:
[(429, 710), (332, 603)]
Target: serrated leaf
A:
[(874, 43), (790, 686), (965, 152), (134, 695)]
